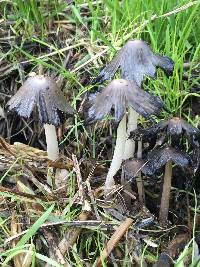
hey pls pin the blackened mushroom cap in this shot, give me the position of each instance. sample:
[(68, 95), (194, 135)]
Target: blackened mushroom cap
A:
[(119, 94), (178, 126), (136, 60), (43, 92), (159, 157), (173, 127)]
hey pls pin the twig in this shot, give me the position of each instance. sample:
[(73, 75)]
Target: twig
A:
[(55, 52), (114, 240), (75, 224), (79, 179)]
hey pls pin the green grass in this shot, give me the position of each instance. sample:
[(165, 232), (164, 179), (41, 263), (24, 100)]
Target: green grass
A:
[(96, 27)]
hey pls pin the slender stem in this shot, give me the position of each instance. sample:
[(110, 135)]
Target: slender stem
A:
[(51, 140), (129, 152), (2, 114), (40, 69), (132, 125), (117, 156), (164, 206), (139, 150), (139, 180)]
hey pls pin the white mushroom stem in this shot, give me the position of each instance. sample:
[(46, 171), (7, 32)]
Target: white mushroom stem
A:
[(2, 114), (118, 155), (51, 141), (132, 125)]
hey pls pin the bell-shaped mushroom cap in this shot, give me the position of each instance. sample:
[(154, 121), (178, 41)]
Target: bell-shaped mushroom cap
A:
[(173, 127), (132, 167), (178, 126), (120, 94), (159, 157), (136, 60), (43, 92)]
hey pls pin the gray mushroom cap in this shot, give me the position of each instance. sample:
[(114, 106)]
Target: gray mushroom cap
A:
[(120, 94), (136, 60), (43, 92)]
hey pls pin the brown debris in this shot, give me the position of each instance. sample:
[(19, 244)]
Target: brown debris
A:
[(54, 251), (172, 251), (114, 240), (25, 258), (35, 158)]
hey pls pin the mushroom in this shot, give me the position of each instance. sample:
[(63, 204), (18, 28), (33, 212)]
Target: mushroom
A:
[(42, 91), (171, 131), (135, 60), (155, 160), (173, 128), (132, 168), (119, 95)]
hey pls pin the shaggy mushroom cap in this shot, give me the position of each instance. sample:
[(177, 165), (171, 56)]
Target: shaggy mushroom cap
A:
[(120, 94), (174, 127), (43, 92), (159, 157), (136, 60)]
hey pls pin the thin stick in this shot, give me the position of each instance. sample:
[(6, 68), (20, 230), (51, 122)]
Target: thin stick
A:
[(79, 179), (58, 51), (114, 240)]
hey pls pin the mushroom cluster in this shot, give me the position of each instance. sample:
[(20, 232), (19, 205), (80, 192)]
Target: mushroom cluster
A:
[(127, 99), (170, 140)]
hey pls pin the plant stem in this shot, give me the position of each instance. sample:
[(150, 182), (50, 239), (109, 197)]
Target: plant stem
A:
[(51, 140), (117, 156), (129, 152), (52, 150), (2, 114), (164, 206), (139, 180), (132, 125)]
